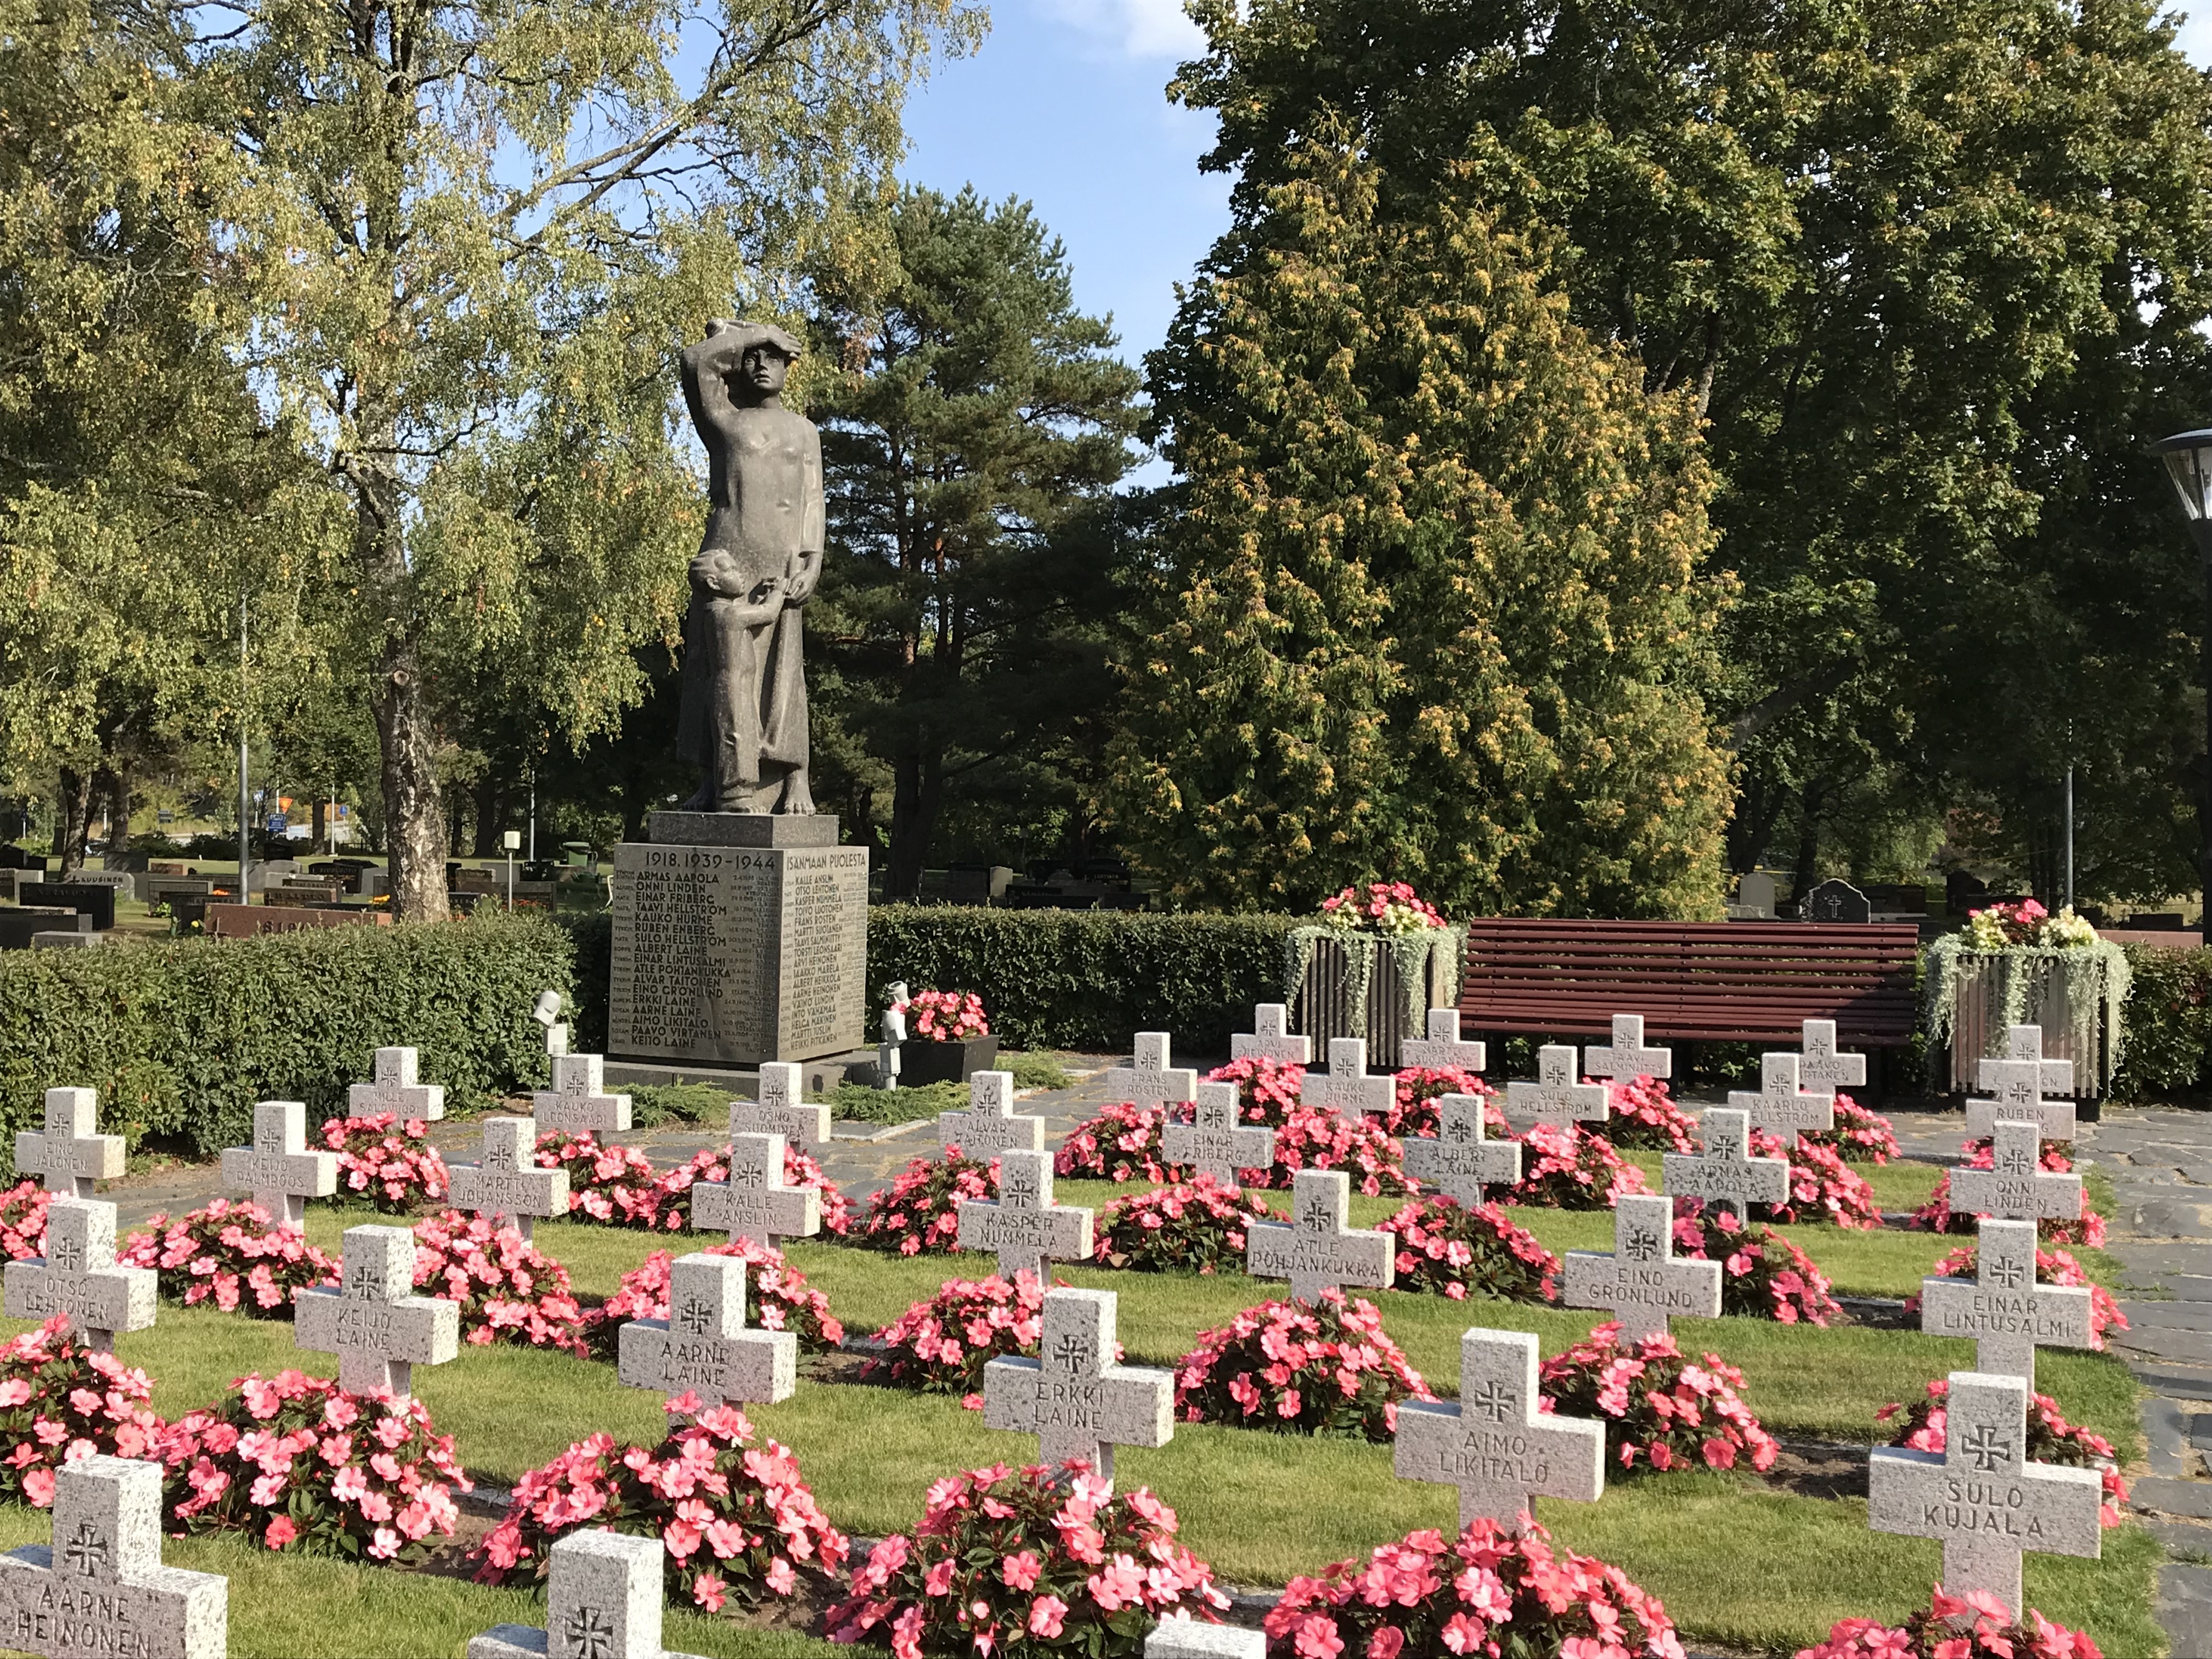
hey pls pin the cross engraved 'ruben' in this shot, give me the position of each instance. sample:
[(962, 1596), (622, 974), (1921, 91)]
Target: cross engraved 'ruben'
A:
[(277, 1169), (579, 1102), (603, 1601), (754, 1202), (109, 1593), (1458, 1160), (1149, 1079), (2002, 1308), (1495, 1445), (2016, 1187), (1726, 1172), (394, 1089), (507, 1182), (1073, 1397), (781, 1109), (1555, 1098), (1821, 1065), (1270, 1038), (1626, 1056), (1345, 1087), (1980, 1496), (1214, 1142), (77, 1276), (1316, 1250), (70, 1154), (2021, 1083), (1441, 1050), (377, 1329), (1023, 1226), (704, 1346), (1642, 1281), (1781, 1106), (989, 1127)]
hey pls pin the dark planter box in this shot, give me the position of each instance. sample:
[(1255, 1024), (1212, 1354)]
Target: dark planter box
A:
[(923, 1061)]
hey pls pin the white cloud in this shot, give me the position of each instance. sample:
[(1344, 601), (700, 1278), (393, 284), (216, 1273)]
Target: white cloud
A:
[(1140, 28)]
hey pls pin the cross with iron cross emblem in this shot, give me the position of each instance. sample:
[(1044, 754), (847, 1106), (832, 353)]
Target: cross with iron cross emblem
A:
[(2002, 1308), (277, 1169), (69, 1155), (1073, 1398), (1496, 1445), (1726, 1173), (603, 1601), (1270, 1038), (2023, 1083), (1555, 1098), (1625, 1056), (1023, 1225), (704, 1346), (1459, 1161), (1215, 1142), (1643, 1281), (754, 1202), (1781, 1106), (2015, 1187), (1149, 1079), (1441, 1050), (1345, 1087), (395, 1090)]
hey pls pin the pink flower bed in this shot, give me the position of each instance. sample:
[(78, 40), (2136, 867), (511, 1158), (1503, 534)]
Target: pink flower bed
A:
[(1122, 1143), (295, 1461), (1661, 1410), (920, 1211), (1448, 1250), (1645, 1117), (60, 1402), (940, 1345), (1021, 1562), (612, 1184), (232, 1255), (1937, 1216), (1266, 1090), (947, 1016), (1823, 1188), (24, 1221), (1860, 1136), (2052, 1267), (777, 1298), (1565, 1169), (389, 1163), (1978, 1627), (800, 1169), (1197, 1227), (2050, 1439), (1763, 1274), (737, 1517), (1316, 1137), (1486, 1592), (1296, 1368), (1414, 1109), (507, 1290)]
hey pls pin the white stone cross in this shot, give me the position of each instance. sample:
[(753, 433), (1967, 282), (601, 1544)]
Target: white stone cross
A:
[(1726, 1172), (1642, 1281), (603, 1601), (100, 1588), (507, 1180), (1316, 1250), (1073, 1396), (1980, 1496), (2016, 1187), (704, 1346), (1626, 1056), (70, 1154), (1459, 1161), (1441, 1050), (781, 1109), (1149, 1079), (1493, 1444), (578, 1102), (2022, 1083), (1215, 1142), (1824, 1066), (1179, 1635), (1270, 1038), (378, 1328), (1556, 1097), (2001, 1307), (396, 1091), (1780, 1107), (277, 1169), (77, 1276), (754, 1203), (1023, 1225), (1345, 1087), (989, 1125)]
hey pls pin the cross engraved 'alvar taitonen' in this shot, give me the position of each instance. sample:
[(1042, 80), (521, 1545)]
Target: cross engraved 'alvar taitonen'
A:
[(1494, 1444)]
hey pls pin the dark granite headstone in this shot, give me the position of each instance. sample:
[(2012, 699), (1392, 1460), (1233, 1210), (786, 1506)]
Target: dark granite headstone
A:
[(1835, 901), (98, 902)]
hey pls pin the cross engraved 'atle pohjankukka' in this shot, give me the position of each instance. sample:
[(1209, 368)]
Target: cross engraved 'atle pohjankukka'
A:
[(1316, 1251)]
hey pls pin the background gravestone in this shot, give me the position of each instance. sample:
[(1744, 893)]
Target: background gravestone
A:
[(1835, 901)]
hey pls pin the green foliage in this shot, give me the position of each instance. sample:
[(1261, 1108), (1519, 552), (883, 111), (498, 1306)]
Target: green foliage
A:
[(182, 1038), (2169, 1023), (1034, 1071), (859, 1103), (1433, 610), (653, 1105)]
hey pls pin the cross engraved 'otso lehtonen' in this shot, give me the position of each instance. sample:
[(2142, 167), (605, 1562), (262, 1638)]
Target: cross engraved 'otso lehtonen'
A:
[(1073, 1397), (379, 1330), (1643, 1281), (1215, 1142), (77, 1276), (1494, 1444)]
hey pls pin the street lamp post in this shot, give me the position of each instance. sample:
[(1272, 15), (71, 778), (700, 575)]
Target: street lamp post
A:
[(2187, 456)]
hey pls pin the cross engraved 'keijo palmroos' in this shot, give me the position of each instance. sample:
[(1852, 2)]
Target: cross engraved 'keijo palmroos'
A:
[(1821, 1065), (1073, 1397), (1494, 1444), (1270, 1038), (2021, 1085), (1458, 1160), (2002, 1308), (578, 1103), (1781, 1106), (69, 1155), (754, 1202), (1345, 1088), (1214, 1142), (1149, 1079), (1625, 1056), (1643, 1281), (77, 1276), (989, 1125), (506, 1181), (1441, 1050), (1726, 1172), (1023, 1225), (2016, 1187), (704, 1346), (1555, 1098), (781, 1109), (1316, 1251), (277, 1169), (1980, 1496), (603, 1601), (377, 1328), (100, 1587), (393, 1088)]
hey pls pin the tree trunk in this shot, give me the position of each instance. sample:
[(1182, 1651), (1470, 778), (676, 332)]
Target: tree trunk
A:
[(414, 813), (909, 835), (317, 824), (490, 819), (72, 811), (119, 808), (1808, 845)]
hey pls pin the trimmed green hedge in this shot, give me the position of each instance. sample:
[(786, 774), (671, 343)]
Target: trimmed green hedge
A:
[(182, 1039), (2169, 1021)]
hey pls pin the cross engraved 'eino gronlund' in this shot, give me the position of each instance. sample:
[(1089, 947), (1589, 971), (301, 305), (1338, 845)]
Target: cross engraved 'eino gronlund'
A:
[(1077, 1403), (1642, 1281), (603, 1601), (1495, 1445)]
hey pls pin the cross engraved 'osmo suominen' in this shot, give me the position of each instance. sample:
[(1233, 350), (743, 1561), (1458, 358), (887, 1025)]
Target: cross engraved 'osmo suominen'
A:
[(603, 1601), (1642, 1281), (1073, 1397), (781, 1109), (1494, 1444)]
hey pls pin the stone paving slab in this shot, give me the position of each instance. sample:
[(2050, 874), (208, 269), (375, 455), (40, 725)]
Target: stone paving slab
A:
[(2184, 1607)]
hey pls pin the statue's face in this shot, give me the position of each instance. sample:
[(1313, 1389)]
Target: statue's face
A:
[(762, 370)]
